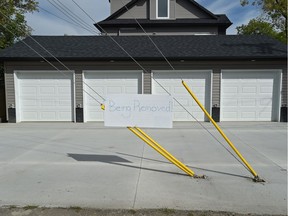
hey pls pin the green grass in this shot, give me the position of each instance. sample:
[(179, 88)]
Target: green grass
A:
[(132, 211), (167, 211), (76, 208), (29, 207)]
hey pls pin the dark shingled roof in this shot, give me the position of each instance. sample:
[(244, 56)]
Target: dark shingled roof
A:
[(222, 20), (207, 47)]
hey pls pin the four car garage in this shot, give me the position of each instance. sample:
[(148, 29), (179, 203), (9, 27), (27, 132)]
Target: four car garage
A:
[(246, 95)]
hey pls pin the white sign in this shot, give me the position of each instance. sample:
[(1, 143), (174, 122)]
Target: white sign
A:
[(134, 110)]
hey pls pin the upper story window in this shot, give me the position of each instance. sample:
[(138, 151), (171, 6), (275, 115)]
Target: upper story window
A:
[(162, 9)]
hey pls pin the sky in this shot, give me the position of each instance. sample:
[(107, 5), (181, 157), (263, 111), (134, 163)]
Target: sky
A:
[(51, 21)]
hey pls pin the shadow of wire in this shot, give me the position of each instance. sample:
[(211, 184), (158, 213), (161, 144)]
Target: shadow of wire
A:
[(192, 167), (114, 160)]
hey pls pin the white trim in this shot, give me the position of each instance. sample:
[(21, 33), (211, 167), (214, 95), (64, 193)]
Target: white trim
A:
[(210, 95), (16, 86), (142, 82), (280, 95), (276, 110), (220, 101), (17, 102), (168, 12), (73, 91)]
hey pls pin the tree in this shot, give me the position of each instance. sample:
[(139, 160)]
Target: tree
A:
[(258, 26), (274, 14), (13, 25)]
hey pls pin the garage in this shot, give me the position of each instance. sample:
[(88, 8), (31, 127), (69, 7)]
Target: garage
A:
[(200, 83), (104, 83), (250, 95), (44, 96)]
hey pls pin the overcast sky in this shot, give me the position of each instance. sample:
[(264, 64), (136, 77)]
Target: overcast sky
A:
[(50, 21)]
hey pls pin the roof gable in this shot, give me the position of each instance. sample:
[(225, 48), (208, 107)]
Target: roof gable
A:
[(184, 8)]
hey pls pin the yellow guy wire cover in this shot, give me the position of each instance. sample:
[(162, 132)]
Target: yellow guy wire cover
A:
[(222, 133), (165, 154)]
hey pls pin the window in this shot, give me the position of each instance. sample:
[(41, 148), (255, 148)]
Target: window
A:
[(162, 9)]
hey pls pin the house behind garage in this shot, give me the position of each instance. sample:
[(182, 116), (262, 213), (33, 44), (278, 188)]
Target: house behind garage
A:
[(236, 77)]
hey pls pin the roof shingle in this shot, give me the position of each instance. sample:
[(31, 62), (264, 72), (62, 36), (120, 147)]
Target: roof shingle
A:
[(207, 47)]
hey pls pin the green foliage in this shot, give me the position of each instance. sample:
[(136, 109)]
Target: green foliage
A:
[(132, 211), (167, 211), (12, 20), (29, 207), (76, 208), (274, 14), (257, 26)]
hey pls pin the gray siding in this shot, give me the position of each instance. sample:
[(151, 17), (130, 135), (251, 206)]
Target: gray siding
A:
[(184, 9), (172, 9), (139, 11), (117, 4), (216, 87), (284, 87), (147, 83), (9, 89), (152, 9), (78, 88)]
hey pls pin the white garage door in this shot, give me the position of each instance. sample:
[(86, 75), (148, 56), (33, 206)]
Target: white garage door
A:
[(198, 81), (107, 82), (44, 96), (250, 95)]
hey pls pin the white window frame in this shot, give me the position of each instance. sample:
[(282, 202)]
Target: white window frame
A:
[(168, 12)]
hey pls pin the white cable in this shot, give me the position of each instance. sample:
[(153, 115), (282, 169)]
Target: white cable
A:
[(70, 15), (50, 62)]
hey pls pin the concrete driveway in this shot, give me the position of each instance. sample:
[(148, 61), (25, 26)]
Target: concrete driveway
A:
[(87, 165)]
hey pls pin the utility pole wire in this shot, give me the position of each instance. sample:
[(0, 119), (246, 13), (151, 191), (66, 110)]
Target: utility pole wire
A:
[(159, 83)]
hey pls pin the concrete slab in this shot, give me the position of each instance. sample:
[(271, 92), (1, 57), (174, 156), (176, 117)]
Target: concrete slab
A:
[(87, 165)]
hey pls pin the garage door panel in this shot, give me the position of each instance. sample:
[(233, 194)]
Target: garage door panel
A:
[(48, 90), (28, 90), (248, 115), (248, 102), (29, 115), (265, 114), (130, 90), (231, 103), (160, 90), (45, 96), (253, 99), (114, 90), (230, 90), (108, 82), (266, 102), (198, 81), (46, 115), (249, 89)]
